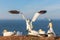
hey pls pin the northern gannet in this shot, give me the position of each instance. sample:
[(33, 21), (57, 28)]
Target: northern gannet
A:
[(51, 31), (8, 33), (41, 33), (33, 32)]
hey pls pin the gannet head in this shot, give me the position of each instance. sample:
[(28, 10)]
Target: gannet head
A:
[(28, 20), (50, 25), (50, 20), (5, 30), (41, 31)]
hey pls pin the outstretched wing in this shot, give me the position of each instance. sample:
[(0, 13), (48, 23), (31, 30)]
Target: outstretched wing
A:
[(37, 14), (23, 17)]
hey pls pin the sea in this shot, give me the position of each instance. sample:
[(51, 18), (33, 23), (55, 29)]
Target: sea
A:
[(20, 25)]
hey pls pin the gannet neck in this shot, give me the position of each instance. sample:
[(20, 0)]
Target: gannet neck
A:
[(50, 24), (29, 25)]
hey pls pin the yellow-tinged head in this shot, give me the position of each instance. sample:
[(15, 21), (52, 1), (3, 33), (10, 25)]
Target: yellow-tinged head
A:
[(5, 30), (40, 30), (50, 24)]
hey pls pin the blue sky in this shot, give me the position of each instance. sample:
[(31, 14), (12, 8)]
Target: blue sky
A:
[(29, 8)]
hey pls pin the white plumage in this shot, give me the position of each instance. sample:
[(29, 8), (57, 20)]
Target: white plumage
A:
[(35, 16), (7, 33), (33, 32), (51, 31), (41, 31), (29, 26)]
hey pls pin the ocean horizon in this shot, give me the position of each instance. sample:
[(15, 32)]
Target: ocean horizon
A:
[(20, 25)]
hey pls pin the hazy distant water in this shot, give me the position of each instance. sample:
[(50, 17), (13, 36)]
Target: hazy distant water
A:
[(20, 25)]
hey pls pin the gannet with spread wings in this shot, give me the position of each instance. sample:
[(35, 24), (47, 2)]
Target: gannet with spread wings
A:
[(29, 25)]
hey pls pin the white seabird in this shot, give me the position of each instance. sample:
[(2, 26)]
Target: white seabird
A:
[(51, 31), (41, 33), (33, 32), (29, 27), (8, 33)]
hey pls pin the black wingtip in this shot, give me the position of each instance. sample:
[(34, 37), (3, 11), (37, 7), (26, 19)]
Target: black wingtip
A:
[(42, 11), (14, 12)]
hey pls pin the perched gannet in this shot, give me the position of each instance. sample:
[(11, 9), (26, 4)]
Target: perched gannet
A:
[(29, 26), (50, 31), (33, 32), (41, 33), (8, 33), (28, 23)]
